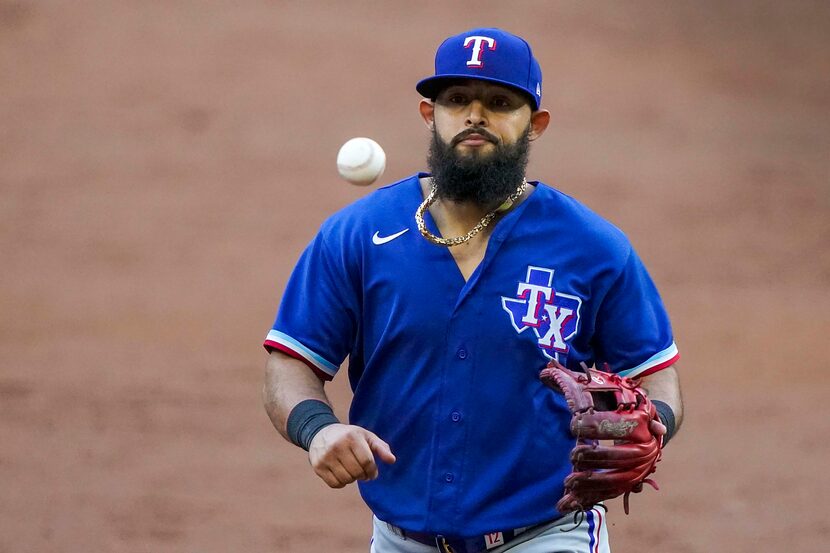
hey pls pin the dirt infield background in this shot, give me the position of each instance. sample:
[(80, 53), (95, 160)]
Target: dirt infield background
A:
[(163, 163)]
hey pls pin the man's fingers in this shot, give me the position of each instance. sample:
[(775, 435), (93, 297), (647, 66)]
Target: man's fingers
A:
[(381, 449), (657, 428), (353, 465), (329, 478), (362, 454), (334, 475), (342, 474)]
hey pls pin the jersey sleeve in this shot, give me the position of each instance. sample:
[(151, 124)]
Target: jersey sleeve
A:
[(317, 318), (634, 334)]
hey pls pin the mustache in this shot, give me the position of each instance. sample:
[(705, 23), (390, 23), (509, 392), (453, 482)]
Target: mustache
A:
[(474, 130)]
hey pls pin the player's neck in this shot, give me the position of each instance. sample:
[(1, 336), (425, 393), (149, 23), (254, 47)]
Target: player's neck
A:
[(458, 217), (466, 214), (453, 218)]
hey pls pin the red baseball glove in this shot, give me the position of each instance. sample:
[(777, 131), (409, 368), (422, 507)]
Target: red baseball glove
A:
[(616, 444)]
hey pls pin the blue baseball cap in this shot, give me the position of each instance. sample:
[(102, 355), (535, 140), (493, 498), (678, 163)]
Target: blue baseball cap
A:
[(486, 54)]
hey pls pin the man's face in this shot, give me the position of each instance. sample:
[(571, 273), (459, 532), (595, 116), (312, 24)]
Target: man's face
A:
[(476, 116), (480, 142)]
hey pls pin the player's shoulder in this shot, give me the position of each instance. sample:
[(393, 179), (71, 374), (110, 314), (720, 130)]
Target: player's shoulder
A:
[(382, 209), (591, 228)]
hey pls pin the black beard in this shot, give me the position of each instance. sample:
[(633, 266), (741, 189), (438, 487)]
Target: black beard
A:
[(486, 180)]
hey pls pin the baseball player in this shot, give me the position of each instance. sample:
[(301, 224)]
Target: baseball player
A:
[(449, 292)]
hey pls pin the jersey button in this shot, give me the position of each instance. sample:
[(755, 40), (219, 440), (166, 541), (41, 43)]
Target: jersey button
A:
[(455, 416), (462, 353), (449, 477)]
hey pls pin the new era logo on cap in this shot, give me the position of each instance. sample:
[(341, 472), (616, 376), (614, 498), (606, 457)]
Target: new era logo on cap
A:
[(487, 54)]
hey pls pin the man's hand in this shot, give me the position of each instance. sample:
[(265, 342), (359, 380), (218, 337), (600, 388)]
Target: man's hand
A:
[(619, 438), (657, 428), (343, 453)]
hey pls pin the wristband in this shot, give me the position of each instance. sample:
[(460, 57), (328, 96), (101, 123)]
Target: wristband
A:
[(666, 416), (306, 419)]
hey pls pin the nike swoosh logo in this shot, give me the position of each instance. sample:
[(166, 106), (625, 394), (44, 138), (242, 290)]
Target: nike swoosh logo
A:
[(377, 240)]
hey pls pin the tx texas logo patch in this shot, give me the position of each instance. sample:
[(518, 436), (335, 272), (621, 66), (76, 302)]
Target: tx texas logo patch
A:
[(553, 316)]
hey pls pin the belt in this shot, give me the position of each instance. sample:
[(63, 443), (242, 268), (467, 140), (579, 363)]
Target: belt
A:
[(455, 544)]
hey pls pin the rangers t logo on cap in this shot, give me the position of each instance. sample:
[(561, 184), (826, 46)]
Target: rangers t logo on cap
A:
[(476, 42), (474, 55)]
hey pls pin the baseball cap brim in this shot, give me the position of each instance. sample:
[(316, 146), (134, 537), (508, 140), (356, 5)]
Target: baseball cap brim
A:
[(431, 87)]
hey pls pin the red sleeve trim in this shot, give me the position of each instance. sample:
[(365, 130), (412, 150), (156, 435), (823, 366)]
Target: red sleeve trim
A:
[(659, 367), (271, 346)]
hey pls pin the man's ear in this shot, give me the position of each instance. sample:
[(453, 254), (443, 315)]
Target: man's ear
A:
[(539, 121), (427, 109)]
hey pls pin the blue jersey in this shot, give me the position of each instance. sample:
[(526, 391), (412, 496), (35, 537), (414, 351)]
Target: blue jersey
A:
[(447, 370)]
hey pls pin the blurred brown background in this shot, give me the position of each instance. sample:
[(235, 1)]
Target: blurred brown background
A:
[(162, 164)]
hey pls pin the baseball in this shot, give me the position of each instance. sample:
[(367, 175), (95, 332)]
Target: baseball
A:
[(361, 161)]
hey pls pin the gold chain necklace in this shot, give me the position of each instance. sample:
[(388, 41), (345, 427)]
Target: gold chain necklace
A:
[(450, 242)]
